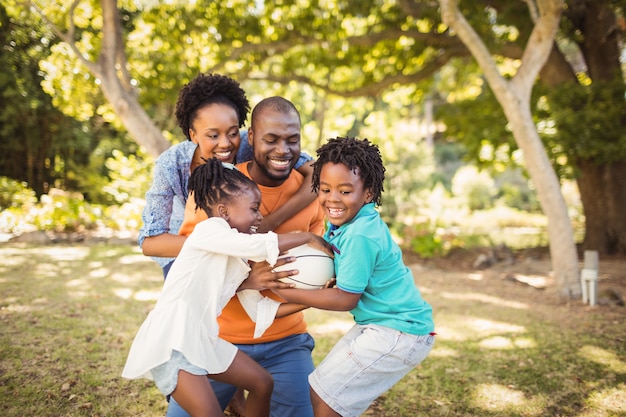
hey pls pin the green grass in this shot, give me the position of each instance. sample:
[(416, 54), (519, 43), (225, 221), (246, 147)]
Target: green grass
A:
[(69, 313)]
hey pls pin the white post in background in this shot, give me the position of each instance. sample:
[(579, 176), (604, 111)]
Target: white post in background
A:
[(589, 278)]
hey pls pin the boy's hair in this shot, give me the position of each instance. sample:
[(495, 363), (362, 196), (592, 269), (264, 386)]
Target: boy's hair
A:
[(277, 103), (360, 156), (216, 182), (209, 89)]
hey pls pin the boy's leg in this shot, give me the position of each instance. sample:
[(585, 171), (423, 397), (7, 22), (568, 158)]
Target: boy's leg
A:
[(320, 408), (194, 394), (367, 361)]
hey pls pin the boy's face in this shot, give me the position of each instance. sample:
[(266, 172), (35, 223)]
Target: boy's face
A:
[(341, 193), (275, 139), (216, 132)]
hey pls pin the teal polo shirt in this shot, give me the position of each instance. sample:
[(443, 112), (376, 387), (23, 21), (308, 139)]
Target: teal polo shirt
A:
[(369, 262)]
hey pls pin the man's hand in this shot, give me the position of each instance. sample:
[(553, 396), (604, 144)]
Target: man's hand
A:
[(262, 276)]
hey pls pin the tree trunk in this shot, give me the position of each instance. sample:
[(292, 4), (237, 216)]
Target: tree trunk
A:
[(514, 97), (603, 194), (116, 86), (602, 186), (560, 233)]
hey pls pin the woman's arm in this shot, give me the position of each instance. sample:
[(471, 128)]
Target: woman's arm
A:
[(301, 199), (165, 245)]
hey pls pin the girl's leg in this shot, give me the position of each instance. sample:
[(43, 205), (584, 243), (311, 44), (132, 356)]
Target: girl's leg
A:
[(320, 408), (244, 372), (195, 395)]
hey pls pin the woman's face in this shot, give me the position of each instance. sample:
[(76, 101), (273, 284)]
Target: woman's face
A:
[(216, 132)]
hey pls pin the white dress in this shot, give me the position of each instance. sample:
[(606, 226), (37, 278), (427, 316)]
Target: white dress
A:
[(204, 277)]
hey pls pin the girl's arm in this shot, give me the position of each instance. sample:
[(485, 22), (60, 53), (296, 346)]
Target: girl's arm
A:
[(332, 299), (288, 241), (301, 199)]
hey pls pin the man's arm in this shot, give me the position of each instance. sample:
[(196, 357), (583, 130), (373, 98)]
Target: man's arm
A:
[(301, 199)]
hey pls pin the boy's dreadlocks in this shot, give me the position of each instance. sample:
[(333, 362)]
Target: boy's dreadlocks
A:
[(360, 156)]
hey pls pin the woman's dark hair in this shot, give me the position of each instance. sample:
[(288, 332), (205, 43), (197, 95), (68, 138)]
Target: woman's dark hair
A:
[(209, 89), (361, 156), (216, 182)]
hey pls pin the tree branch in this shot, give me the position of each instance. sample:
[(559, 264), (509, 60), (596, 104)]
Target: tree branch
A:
[(68, 37)]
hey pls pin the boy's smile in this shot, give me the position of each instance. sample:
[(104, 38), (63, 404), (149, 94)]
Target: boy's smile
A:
[(341, 193)]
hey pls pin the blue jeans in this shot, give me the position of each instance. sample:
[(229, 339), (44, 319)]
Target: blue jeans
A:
[(290, 363)]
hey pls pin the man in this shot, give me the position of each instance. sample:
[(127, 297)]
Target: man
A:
[(284, 349)]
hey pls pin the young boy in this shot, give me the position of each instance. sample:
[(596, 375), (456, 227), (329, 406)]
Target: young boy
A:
[(394, 329)]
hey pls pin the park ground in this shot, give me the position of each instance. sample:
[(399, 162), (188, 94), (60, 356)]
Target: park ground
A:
[(507, 344)]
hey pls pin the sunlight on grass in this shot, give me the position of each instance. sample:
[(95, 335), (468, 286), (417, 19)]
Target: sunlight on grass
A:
[(603, 357), (333, 326), (464, 328), (123, 293), (611, 399), (483, 298), (147, 295), (500, 398), (99, 272), (135, 259), (506, 343), (65, 253), (444, 352)]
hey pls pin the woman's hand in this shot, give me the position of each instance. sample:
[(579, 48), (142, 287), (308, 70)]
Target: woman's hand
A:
[(262, 276)]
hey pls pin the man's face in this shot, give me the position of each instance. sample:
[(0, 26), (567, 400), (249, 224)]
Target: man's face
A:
[(275, 139)]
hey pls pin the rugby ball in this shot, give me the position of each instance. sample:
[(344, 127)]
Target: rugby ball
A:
[(314, 266)]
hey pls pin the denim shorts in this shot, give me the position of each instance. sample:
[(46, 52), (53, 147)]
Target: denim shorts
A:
[(366, 362), (166, 375)]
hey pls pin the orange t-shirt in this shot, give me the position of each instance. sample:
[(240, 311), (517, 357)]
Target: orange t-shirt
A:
[(235, 325)]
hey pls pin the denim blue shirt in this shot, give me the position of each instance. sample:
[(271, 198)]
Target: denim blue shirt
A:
[(369, 262), (166, 198)]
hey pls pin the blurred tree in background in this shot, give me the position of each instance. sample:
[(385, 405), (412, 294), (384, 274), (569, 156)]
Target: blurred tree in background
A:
[(346, 65)]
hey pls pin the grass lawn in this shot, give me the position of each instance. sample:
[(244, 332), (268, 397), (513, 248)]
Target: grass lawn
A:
[(69, 313)]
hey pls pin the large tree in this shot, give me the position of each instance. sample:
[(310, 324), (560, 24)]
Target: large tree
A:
[(514, 96), (349, 50)]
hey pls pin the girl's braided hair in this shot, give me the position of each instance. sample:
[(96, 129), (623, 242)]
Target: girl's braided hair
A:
[(216, 182), (360, 156), (209, 89)]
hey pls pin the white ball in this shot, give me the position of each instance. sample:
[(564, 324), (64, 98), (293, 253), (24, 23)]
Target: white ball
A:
[(315, 267)]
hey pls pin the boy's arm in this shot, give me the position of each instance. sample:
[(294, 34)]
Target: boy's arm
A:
[(332, 299), (301, 199), (286, 309)]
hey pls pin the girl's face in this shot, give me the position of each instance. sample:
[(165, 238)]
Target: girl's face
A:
[(341, 193), (216, 132), (243, 213)]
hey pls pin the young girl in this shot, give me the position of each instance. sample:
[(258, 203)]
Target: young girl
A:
[(394, 328), (178, 344)]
